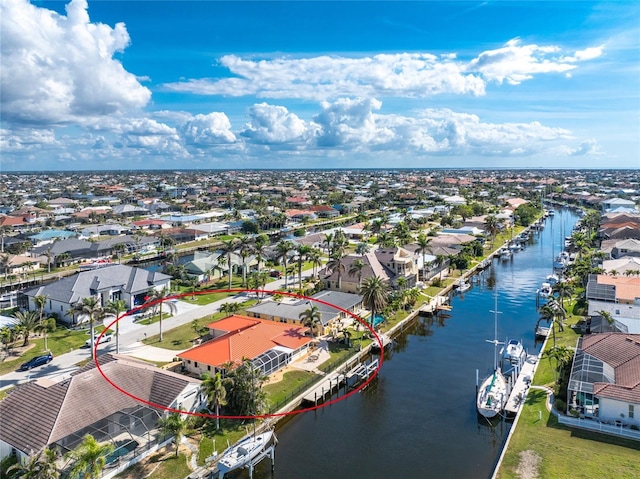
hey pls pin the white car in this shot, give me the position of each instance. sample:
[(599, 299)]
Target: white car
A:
[(104, 339)]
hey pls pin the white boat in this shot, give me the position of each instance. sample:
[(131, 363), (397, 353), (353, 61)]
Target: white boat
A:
[(492, 394), (462, 286), (513, 351), (552, 279), (242, 453), (505, 253), (545, 290)]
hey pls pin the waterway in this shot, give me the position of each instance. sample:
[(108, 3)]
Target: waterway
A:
[(418, 419)]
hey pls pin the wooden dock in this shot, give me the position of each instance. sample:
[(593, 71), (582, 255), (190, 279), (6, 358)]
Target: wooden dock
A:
[(328, 384), (521, 385)]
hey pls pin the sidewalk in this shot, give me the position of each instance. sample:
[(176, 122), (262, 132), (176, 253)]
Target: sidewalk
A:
[(131, 336)]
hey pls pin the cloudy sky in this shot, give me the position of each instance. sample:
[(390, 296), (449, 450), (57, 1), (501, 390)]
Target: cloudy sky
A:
[(211, 84)]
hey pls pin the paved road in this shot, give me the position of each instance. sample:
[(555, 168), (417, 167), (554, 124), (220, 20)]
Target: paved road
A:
[(131, 336)]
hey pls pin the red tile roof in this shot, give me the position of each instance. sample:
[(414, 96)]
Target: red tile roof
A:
[(245, 338)]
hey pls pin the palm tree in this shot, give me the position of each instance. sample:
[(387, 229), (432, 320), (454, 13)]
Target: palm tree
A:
[(315, 256), (230, 308), (90, 458), (606, 315), (158, 297), (5, 261), (116, 307), (362, 248), (335, 264), (214, 388), (302, 252), (424, 247), (91, 307), (49, 254), (172, 425), (355, 269), (375, 295), (311, 317), (245, 247), (119, 249), (38, 466), (283, 248), (27, 322), (492, 226), (562, 355), (259, 246), (40, 301), (227, 248), (439, 262), (386, 240), (563, 288)]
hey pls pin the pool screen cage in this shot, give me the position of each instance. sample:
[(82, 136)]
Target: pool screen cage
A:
[(129, 430), (272, 360)]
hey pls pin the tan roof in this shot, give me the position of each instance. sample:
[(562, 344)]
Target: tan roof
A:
[(39, 413), (627, 288)]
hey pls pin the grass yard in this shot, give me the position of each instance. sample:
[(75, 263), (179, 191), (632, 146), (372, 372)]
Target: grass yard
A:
[(291, 383), (161, 465), (211, 439), (563, 452), (59, 342), (555, 451)]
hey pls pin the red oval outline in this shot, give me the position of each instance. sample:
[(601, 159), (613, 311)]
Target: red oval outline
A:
[(261, 416)]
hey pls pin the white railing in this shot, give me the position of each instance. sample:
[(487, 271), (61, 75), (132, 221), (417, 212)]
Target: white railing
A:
[(599, 427)]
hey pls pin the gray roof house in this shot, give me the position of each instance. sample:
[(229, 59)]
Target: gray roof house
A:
[(108, 283), (289, 309), (85, 403)]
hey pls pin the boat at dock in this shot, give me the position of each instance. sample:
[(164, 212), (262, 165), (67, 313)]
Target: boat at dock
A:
[(242, 453), (513, 352), (492, 393), (545, 290), (462, 286)]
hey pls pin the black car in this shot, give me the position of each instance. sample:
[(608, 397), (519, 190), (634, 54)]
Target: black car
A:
[(37, 361)]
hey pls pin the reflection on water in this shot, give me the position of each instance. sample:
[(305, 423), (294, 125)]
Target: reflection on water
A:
[(418, 418)]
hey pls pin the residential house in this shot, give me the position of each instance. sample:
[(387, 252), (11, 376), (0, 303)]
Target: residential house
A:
[(613, 203), (619, 296), (268, 344), (331, 305), (623, 266), (605, 378), (107, 284), (57, 414), (624, 248)]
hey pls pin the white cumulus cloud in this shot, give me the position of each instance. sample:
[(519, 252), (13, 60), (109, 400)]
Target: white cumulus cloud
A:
[(205, 130), (58, 68), (273, 124)]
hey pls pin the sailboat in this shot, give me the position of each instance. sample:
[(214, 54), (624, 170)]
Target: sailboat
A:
[(492, 394)]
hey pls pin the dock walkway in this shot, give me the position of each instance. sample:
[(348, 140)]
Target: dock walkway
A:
[(521, 385)]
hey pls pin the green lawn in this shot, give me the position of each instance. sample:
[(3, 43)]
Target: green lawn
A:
[(290, 384), (171, 467), (59, 342), (565, 452)]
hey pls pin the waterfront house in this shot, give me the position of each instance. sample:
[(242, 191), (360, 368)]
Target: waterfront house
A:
[(288, 309), (269, 345), (58, 414), (605, 379)]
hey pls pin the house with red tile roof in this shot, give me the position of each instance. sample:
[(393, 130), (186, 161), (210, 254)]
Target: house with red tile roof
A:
[(268, 344), (605, 378)]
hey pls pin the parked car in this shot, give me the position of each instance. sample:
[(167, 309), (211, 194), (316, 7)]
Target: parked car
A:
[(37, 361), (275, 273), (104, 339)]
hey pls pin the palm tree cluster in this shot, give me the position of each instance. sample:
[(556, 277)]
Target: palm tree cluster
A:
[(243, 385)]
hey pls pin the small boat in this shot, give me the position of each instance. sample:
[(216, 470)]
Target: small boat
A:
[(101, 263), (545, 290), (513, 352), (462, 286), (551, 212), (542, 332), (492, 393), (242, 453), (552, 279), (561, 260), (505, 253)]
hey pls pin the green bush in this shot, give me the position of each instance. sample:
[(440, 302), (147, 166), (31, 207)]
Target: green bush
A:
[(560, 405)]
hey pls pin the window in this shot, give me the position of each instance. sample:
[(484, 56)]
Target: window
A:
[(208, 368), (630, 411), (195, 365)]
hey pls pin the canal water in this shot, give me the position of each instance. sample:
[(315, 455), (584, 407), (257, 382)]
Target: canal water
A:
[(418, 418)]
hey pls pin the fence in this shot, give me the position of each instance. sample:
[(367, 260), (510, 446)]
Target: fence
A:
[(597, 426)]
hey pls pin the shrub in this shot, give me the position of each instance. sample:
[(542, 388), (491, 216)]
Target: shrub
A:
[(560, 405)]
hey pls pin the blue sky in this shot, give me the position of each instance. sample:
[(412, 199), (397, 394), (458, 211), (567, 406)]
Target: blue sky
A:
[(207, 84)]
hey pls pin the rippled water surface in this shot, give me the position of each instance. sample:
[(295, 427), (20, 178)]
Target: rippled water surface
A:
[(418, 418)]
